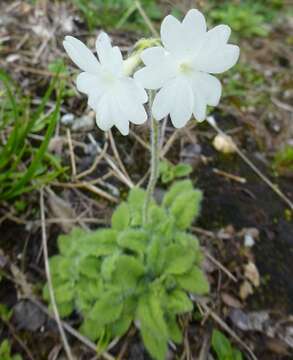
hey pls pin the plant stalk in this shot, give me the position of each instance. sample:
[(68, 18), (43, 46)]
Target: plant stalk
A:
[(155, 154)]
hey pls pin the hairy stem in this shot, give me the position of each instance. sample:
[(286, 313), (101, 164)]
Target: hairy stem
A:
[(155, 153)]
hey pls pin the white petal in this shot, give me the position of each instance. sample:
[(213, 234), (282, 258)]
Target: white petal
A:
[(110, 57), (163, 100), (155, 76), (183, 104), (171, 34), (194, 27), (109, 114), (137, 91), (209, 86), (153, 55), (81, 55), (104, 117), (93, 100), (176, 99), (123, 127), (130, 104), (89, 83), (222, 60), (199, 106)]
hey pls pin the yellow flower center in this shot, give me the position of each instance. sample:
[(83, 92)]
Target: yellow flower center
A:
[(185, 68)]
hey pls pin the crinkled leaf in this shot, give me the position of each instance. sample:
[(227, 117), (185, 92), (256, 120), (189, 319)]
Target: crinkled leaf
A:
[(136, 199), (121, 217), (179, 259), (178, 188), (91, 329), (178, 302), (134, 240), (108, 266), (186, 207), (194, 281), (65, 309), (127, 272), (121, 326), (174, 331), (153, 326), (156, 255), (67, 243), (107, 309), (89, 267), (181, 170)]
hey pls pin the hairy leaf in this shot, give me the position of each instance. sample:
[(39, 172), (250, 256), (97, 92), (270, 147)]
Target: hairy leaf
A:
[(194, 281), (121, 217)]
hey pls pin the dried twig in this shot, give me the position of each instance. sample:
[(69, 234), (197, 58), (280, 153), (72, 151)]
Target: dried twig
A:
[(71, 151), (48, 275), (116, 154), (225, 327)]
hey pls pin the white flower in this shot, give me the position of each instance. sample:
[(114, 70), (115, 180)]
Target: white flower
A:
[(116, 98), (181, 69)]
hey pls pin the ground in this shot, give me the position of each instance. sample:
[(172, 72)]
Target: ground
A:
[(245, 226)]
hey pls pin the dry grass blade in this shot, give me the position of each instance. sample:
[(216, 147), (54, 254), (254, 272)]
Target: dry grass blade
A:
[(225, 327), (50, 285)]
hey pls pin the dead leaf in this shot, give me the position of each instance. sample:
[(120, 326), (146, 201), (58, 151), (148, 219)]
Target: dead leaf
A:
[(231, 301), (251, 273), (61, 210), (245, 290)]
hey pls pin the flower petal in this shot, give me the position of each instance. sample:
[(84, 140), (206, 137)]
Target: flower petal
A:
[(176, 99), (104, 117), (222, 60), (89, 83), (155, 76), (194, 27), (199, 105), (81, 55), (153, 55), (182, 107), (215, 55), (129, 102), (110, 57), (209, 86), (163, 101), (172, 35)]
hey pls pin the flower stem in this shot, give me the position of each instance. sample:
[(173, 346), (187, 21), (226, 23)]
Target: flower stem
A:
[(155, 153)]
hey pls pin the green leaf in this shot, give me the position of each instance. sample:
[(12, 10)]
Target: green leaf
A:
[(179, 259), (182, 170), (107, 309), (135, 201), (186, 207), (64, 293), (108, 266), (222, 346), (89, 267), (153, 326), (121, 217), (178, 302), (91, 329), (67, 243), (156, 255), (174, 331), (128, 271), (176, 189), (60, 267), (121, 326), (194, 282), (65, 309), (134, 240)]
